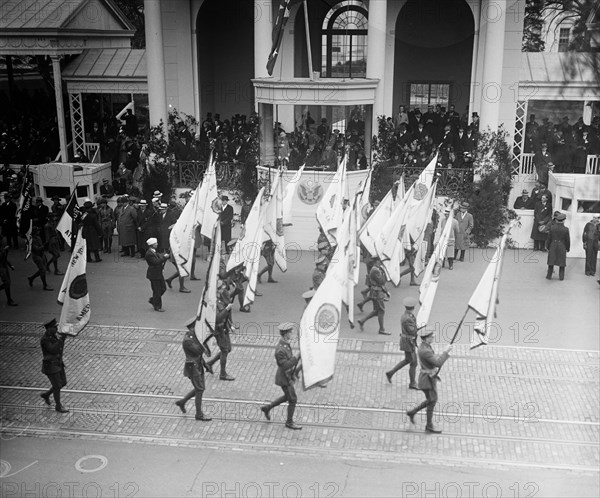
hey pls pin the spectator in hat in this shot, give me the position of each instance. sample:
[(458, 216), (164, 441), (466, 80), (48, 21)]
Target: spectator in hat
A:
[(558, 245), (128, 223), (156, 262), (541, 161), (91, 231), (591, 236), (57, 208), (465, 226), (53, 366), (286, 376), (428, 378), (106, 189), (226, 219), (5, 264), (408, 343), (39, 258), (524, 201), (542, 215), (450, 250), (194, 370)]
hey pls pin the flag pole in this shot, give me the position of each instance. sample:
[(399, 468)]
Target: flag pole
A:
[(309, 51), (458, 327)]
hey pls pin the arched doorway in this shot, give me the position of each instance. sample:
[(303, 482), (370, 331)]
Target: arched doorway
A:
[(433, 52), (225, 42)]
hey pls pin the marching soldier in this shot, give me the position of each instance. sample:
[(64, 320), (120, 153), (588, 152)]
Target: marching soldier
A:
[(193, 370), (39, 258), (410, 255), (238, 278), (268, 252), (285, 376), (408, 343), (223, 325), (52, 364), (318, 275), (378, 293), (430, 365)]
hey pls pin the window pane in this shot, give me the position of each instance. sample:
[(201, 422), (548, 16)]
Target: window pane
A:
[(340, 55)]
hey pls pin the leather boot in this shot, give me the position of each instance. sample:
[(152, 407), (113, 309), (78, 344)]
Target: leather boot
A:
[(561, 272), (549, 274)]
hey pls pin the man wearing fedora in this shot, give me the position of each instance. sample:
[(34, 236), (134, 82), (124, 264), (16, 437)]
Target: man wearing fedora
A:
[(465, 226), (591, 236), (194, 370), (524, 201), (91, 231), (106, 189), (428, 377), (408, 343), (226, 220), (53, 367), (558, 245), (285, 376), (156, 262)]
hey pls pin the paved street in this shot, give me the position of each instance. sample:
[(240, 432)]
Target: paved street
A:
[(520, 417)]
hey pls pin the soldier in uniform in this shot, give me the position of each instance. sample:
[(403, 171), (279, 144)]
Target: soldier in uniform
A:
[(107, 224), (193, 370), (222, 327), (318, 275), (268, 252), (430, 365), (558, 245), (378, 293), (408, 343), (5, 264), (52, 241), (39, 258), (238, 278), (410, 255), (52, 364), (285, 376)]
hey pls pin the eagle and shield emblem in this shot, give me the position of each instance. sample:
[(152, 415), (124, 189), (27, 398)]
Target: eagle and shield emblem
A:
[(310, 192)]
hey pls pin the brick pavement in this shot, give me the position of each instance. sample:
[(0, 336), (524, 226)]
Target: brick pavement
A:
[(498, 405)]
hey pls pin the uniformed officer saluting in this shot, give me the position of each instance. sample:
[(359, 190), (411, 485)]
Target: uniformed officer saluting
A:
[(52, 364), (193, 370), (408, 343), (285, 376), (430, 365)]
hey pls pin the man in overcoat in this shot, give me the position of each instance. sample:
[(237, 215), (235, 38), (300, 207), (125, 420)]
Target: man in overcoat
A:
[(156, 261), (591, 234), (558, 245), (285, 376), (465, 226), (226, 221)]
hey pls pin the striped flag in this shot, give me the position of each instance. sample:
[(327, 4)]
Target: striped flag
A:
[(73, 294), (278, 29)]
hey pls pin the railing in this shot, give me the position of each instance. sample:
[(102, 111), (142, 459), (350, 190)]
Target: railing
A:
[(188, 174), (526, 166), (450, 181), (592, 166), (92, 151)]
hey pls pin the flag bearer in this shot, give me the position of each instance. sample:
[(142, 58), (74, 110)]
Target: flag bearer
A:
[(428, 378), (408, 343)]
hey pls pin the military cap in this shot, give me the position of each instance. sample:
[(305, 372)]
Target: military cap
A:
[(308, 295), (561, 217), (322, 259), (50, 323), (88, 204), (424, 332), (409, 302), (286, 327)]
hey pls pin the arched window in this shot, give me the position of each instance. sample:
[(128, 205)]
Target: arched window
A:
[(344, 38)]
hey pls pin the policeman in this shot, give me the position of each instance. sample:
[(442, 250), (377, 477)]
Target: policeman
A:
[(378, 293), (285, 376), (222, 327), (193, 370), (408, 343), (52, 364), (428, 377)]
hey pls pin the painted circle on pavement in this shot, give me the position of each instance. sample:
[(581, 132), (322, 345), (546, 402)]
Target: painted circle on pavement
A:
[(103, 463)]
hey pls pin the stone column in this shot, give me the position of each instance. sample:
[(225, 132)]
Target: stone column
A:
[(263, 29), (60, 109), (155, 62), (494, 16), (267, 154), (376, 44), (472, 88)]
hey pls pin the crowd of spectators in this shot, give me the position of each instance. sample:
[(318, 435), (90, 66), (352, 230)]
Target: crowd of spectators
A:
[(561, 147), (28, 129)]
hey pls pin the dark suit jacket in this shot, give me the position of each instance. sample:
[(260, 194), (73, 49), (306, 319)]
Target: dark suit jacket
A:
[(156, 261), (286, 362), (226, 219), (558, 245)]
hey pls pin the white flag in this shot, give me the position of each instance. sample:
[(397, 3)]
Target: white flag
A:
[(207, 307), (73, 294), (364, 192), (431, 277), (70, 214), (209, 200), (330, 209), (320, 324), (289, 194), (244, 248), (274, 221), (183, 235)]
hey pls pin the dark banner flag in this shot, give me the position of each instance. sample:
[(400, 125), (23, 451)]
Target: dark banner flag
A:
[(25, 210), (282, 17), (71, 216)]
